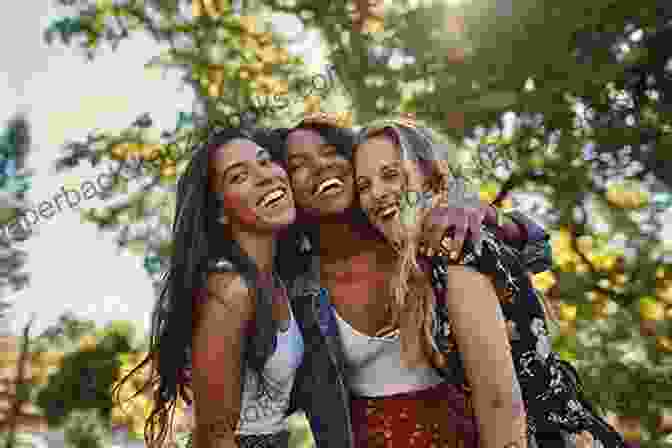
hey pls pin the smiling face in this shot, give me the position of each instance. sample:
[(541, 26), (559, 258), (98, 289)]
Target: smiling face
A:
[(255, 190), (380, 182), (322, 179)]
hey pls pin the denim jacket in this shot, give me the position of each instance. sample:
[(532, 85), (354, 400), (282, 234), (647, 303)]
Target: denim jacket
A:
[(319, 385)]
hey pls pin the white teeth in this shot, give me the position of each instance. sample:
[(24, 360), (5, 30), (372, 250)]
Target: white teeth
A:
[(272, 196), (389, 211), (328, 183)]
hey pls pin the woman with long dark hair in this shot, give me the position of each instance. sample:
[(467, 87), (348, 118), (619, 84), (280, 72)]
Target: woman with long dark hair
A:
[(223, 331), (445, 312)]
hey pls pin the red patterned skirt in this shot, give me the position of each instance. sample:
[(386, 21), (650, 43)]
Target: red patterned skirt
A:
[(439, 417)]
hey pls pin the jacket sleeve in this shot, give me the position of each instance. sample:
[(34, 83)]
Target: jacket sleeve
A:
[(536, 255)]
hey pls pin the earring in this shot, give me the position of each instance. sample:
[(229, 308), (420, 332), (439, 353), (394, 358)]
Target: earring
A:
[(223, 219), (305, 246)]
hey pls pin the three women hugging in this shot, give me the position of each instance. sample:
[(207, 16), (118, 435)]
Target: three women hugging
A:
[(354, 277)]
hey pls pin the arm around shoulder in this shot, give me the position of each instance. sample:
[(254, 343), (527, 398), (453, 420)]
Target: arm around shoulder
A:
[(218, 341)]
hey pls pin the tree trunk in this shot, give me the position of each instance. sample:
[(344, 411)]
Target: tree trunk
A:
[(20, 374)]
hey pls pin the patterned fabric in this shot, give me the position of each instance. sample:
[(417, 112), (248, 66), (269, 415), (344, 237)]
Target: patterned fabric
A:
[(551, 390), (277, 440), (441, 416)]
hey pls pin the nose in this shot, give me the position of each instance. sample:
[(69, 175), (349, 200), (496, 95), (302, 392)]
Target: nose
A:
[(378, 190), (264, 175), (324, 163)]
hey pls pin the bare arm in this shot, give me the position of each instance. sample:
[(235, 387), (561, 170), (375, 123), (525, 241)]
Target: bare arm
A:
[(480, 332), (216, 358)]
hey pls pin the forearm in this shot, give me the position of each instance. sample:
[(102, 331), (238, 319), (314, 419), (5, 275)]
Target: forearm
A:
[(502, 421)]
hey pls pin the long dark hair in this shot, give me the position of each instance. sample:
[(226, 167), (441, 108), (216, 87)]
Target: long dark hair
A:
[(198, 241)]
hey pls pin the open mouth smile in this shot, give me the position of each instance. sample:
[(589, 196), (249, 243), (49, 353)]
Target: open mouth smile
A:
[(387, 212), (273, 198), (329, 187)]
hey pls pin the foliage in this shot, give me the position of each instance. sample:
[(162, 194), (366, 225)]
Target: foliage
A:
[(15, 144), (84, 430), (565, 109), (89, 365)]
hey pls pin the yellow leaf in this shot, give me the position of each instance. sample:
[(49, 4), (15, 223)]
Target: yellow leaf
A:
[(312, 104), (249, 24), (120, 151), (151, 152), (214, 90), (373, 25), (544, 281), (651, 309), (196, 8), (665, 294), (568, 312)]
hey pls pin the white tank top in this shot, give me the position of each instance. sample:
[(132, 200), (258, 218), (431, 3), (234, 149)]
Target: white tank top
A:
[(266, 414), (374, 365)]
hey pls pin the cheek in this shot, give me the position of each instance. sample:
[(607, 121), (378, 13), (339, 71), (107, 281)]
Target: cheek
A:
[(279, 171), (300, 182), (241, 207)]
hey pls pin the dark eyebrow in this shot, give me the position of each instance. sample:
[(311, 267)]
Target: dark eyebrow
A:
[(321, 146), (260, 153)]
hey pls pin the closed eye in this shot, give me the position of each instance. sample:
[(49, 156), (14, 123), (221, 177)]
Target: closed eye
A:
[(238, 178)]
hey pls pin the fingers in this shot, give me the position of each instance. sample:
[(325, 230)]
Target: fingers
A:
[(435, 231), (444, 230), (475, 224), (461, 229), (447, 250)]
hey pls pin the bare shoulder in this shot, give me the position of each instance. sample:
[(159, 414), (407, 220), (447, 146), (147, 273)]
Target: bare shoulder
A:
[(228, 289), (464, 271)]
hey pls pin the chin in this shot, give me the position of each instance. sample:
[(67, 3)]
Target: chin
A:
[(285, 220), (391, 231)]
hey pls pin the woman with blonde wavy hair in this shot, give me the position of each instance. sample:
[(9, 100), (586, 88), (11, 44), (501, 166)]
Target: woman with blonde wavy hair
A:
[(454, 314)]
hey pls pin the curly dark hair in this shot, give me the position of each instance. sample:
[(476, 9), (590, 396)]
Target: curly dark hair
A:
[(199, 240)]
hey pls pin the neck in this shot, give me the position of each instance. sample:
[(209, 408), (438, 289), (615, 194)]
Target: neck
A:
[(260, 247), (341, 237)]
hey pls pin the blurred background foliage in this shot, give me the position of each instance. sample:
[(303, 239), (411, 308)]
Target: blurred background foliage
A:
[(564, 111)]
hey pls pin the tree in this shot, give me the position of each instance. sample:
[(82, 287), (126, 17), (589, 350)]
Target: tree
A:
[(566, 107), (84, 430), (90, 365), (14, 184), (22, 387)]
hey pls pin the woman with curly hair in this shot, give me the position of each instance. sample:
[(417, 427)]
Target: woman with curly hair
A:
[(447, 315), (223, 331)]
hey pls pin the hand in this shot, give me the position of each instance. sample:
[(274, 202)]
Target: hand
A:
[(446, 227)]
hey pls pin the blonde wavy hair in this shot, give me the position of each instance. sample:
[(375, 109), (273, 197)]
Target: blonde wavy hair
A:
[(430, 180)]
